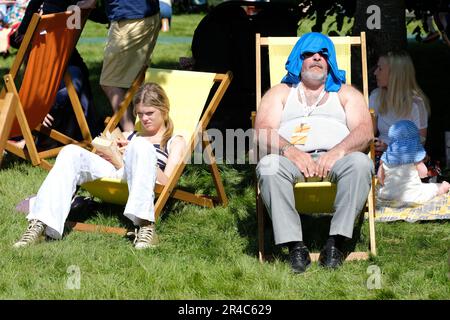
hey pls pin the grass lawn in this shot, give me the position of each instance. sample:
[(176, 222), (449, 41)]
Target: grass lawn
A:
[(204, 253)]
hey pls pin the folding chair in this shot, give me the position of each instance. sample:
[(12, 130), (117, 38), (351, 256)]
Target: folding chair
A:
[(188, 93), (46, 48), (312, 197)]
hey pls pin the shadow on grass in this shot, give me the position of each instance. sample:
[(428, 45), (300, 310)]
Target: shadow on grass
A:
[(84, 209), (315, 230), (10, 161)]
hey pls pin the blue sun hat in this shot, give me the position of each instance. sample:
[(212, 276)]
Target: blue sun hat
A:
[(405, 146), (314, 42)]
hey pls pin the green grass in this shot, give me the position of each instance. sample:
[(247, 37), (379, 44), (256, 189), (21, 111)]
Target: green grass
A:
[(204, 253)]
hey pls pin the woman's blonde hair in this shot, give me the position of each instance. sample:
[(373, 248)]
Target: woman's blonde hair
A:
[(402, 87), (153, 95)]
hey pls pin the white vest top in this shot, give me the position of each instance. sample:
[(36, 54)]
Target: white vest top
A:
[(327, 124)]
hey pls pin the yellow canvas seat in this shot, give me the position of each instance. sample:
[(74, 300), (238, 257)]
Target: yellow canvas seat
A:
[(46, 48), (191, 111), (311, 196)]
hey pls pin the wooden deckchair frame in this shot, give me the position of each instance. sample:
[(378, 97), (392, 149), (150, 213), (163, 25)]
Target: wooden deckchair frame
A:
[(169, 190), (370, 206), (30, 152)]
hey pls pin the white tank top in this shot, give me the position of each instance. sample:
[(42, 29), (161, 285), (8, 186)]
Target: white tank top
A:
[(326, 124)]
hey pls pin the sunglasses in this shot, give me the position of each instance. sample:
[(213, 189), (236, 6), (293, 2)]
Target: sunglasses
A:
[(323, 54)]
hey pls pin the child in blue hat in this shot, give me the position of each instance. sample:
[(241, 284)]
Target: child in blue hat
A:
[(402, 167)]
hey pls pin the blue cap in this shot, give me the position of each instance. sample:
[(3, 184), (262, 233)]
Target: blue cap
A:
[(404, 146)]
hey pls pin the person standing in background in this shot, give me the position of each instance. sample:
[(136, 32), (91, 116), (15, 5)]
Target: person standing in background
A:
[(166, 14), (132, 35)]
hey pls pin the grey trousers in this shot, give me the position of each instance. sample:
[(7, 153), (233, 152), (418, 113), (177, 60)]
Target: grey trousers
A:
[(277, 175)]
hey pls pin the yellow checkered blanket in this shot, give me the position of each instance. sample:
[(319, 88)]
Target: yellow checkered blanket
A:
[(435, 209)]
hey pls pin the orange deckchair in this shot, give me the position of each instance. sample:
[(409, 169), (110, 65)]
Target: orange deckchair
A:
[(48, 45)]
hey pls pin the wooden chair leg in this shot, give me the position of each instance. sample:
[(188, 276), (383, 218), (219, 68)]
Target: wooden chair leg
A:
[(260, 218), (373, 248), (7, 111)]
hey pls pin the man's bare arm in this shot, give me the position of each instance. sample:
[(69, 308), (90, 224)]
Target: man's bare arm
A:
[(359, 121), (268, 119)]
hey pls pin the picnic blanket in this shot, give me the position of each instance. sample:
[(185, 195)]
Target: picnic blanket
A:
[(435, 209)]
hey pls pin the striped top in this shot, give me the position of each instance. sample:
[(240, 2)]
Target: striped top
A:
[(162, 155)]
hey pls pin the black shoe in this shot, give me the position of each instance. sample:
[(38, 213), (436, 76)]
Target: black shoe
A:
[(331, 257), (299, 258)]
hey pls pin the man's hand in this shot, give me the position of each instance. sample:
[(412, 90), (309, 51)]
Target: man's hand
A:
[(303, 161), (327, 160), (87, 4)]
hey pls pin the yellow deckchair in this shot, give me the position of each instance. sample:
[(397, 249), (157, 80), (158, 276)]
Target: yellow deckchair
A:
[(46, 48), (188, 92), (312, 197)]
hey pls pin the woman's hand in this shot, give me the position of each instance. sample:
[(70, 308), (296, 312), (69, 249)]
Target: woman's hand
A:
[(122, 144), (379, 145), (104, 156)]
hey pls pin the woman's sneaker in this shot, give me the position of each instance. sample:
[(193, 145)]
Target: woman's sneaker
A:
[(33, 234), (146, 237)]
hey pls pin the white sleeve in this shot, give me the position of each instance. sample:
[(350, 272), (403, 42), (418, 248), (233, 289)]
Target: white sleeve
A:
[(419, 114)]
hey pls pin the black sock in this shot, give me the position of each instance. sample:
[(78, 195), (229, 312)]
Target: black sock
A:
[(336, 241), (295, 244)]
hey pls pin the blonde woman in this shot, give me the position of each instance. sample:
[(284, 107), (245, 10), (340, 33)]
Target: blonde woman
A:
[(398, 97), (150, 155)]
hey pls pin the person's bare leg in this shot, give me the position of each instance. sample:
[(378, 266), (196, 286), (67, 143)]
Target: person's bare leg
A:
[(115, 96)]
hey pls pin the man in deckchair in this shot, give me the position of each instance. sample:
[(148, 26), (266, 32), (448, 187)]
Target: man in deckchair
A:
[(150, 156), (320, 127)]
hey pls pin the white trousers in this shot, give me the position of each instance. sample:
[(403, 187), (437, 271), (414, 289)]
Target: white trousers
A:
[(75, 166)]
